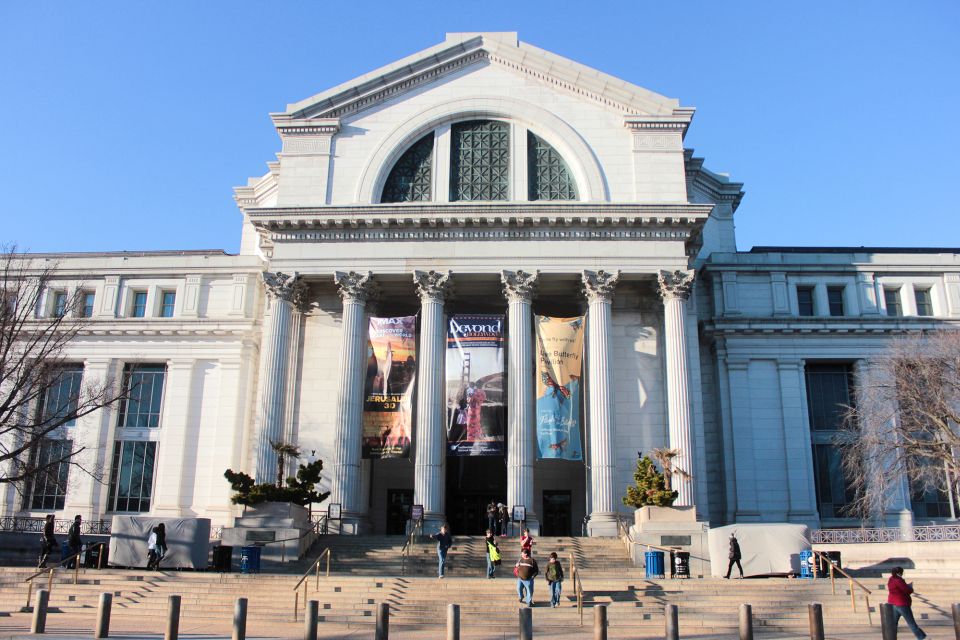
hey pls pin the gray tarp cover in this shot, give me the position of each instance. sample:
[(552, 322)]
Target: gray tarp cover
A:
[(188, 541), (766, 548)]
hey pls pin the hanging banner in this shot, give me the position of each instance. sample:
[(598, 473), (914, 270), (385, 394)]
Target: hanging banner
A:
[(476, 412), (388, 387), (559, 364)]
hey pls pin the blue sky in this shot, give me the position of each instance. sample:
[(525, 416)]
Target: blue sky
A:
[(125, 125)]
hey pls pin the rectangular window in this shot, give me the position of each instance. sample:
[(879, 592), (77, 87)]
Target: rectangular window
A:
[(59, 304), (835, 300), (933, 503), (829, 391), (891, 298), (924, 302), (88, 298), (60, 398), (805, 301), (143, 384), (139, 308), (833, 489), (49, 485), (131, 476), (168, 300)]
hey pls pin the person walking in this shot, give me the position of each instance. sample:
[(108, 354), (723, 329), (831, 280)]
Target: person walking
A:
[(526, 570), (444, 542), (161, 543), (502, 519), (152, 560), (493, 554), (526, 542), (48, 542), (492, 512), (734, 555), (74, 541), (898, 596), (554, 576)]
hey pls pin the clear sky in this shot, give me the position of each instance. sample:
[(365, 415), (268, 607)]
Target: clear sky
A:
[(125, 125)]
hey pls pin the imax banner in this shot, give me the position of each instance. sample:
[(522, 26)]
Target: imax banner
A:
[(476, 410), (388, 387), (559, 363)]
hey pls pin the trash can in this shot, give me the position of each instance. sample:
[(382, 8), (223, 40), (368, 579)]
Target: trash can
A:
[(653, 562), (806, 564), (91, 559), (834, 558), (223, 559), (681, 564), (250, 559)]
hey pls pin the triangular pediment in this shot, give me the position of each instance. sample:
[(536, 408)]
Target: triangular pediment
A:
[(461, 50)]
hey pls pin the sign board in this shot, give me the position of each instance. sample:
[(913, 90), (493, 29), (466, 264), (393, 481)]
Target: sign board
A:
[(519, 513), (416, 512), (259, 535), (675, 541), (333, 511)]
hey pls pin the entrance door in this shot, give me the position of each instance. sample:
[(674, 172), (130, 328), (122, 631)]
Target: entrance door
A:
[(555, 520), (399, 502), (472, 482)]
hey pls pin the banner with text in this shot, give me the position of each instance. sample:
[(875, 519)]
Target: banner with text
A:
[(388, 387), (559, 363), (476, 409)]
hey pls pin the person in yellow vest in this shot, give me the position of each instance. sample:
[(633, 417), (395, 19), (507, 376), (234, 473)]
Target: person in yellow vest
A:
[(493, 554)]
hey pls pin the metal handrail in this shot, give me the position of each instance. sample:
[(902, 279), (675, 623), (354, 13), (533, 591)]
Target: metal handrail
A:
[(49, 572), (577, 586), (853, 581), (283, 549), (303, 580), (415, 530)]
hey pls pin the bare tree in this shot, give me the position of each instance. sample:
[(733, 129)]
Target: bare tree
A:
[(902, 426), (36, 401)]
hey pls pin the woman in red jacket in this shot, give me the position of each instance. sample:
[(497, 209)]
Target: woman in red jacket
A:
[(898, 596)]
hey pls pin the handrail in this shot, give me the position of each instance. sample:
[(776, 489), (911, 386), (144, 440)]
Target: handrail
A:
[(283, 549), (853, 581), (577, 586), (50, 572), (415, 530), (306, 574)]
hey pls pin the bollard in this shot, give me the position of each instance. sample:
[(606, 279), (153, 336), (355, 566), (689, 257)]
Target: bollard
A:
[(40, 612), (310, 616), (526, 623), (956, 620), (746, 622), (672, 616), (102, 630), (240, 619), (815, 611), (600, 622), (173, 618), (383, 622), (887, 627), (453, 622)]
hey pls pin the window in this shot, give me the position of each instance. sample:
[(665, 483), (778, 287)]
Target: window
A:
[(88, 298), (131, 477), (933, 503), (480, 160), (410, 178), (829, 391), (168, 300), (835, 301), (805, 301), (59, 303), (547, 175), (924, 302), (833, 490), (143, 384), (891, 297), (139, 308), (49, 485), (60, 398)]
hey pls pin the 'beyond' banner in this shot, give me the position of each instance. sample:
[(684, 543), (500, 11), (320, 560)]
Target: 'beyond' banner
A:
[(559, 361), (388, 387), (476, 412)]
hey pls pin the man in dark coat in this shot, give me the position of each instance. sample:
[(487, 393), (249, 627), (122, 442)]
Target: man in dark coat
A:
[(734, 556), (73, 539), (48, 543)]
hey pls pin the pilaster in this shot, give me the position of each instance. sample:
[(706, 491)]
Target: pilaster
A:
[(796, 441), (174, 426), (305, 159), (191, 296), (91, 435)]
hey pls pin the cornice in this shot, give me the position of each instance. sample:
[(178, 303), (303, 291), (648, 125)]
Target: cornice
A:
[(288, 125), (857, 326), (676, 123)]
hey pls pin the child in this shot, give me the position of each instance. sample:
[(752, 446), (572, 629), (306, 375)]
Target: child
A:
[(554, 575)]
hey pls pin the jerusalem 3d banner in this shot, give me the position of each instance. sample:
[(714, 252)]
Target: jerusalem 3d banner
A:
[(388, 387), (559, 363), (476, 412)]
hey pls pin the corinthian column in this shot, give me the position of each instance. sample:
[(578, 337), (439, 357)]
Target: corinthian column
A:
[(599, 286), (432, 287), (675, 290), (345, 486), (285, 294), (518, 286)]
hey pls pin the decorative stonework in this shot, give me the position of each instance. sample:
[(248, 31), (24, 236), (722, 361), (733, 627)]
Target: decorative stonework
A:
[(359, 287), (677, 284), (519, 286), (599, 285), (280, 286), (432, 286)]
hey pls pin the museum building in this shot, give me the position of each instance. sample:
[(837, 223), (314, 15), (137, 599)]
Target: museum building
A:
[(485, 177)]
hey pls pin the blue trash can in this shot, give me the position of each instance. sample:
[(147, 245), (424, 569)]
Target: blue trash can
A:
[(250, 559), (806, 564), (653, 561)]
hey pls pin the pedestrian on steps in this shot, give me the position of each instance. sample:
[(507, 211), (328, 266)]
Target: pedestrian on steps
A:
[(492, 513), (444, 542), (526, 542), (161, 543), (502, 519), (74, 541), (152, 560), (734, 555), (554, 576), (48, 542), (898, 596), (526, 570), (493, 554)]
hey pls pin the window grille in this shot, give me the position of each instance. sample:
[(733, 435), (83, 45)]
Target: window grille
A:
[(49, 488), (60, 398), (409, 180), (480, 160), (144, 386), (547, 175), (131, 477)]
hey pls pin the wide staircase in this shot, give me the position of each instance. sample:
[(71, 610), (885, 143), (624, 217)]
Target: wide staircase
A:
[(369, 571)]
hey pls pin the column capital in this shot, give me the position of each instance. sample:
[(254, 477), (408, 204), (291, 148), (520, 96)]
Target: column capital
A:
[(355, 287), (281, 286), (599, 285), (520, 285), (675, 284), (432, 286)]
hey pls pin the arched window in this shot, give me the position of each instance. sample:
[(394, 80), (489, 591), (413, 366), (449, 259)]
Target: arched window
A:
[(410, 178), (547, 175), (480, 160)]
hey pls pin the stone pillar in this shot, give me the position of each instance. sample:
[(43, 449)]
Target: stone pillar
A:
[(169, 498), (428, 482), (518, 286), (91, 434), (599, 286), (675, 290), (345, 487), (284, 292)]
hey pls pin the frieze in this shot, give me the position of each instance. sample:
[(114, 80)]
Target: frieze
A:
[(350, 235), (520, 285)]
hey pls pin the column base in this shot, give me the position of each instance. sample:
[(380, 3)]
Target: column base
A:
[(431, 524), (350, 524), (603, 525)]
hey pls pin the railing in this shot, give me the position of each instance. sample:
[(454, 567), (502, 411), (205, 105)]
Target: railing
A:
[(627, 538), (935, 533), (415, 531), (853, 582), (577, 586), (18, 524), (313, 531), (303, 581), (76, 570)]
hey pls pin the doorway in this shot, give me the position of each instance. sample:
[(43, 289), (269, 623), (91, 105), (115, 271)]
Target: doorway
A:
[(472, 482), (557, 512), (399, 502)]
